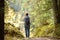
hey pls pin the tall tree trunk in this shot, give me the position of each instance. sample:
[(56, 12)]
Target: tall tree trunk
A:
[(56, 8)]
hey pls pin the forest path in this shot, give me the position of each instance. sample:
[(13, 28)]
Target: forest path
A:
[(40, 39), (31, 38)]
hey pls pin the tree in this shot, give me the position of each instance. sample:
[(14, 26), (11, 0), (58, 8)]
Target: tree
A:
[(56, 8)]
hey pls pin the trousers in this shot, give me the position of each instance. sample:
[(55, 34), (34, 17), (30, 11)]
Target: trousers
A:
[(27, 31)]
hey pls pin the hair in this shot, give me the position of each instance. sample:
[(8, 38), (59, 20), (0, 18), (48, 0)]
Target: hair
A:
[(26, 14)]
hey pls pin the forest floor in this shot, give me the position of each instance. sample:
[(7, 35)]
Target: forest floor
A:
[(40, 39), (7, 37)]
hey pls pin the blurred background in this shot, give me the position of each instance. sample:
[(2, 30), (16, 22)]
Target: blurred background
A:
[(41, 18)]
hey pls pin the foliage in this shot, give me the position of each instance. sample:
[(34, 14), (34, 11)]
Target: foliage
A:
[(12, 30), (40, 12), (44, 31)]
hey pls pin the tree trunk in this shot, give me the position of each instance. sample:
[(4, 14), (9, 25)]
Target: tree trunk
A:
[(56, 8)]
